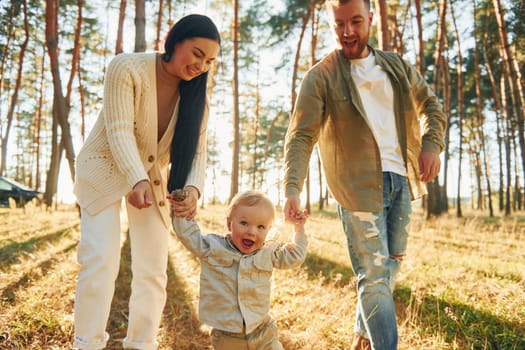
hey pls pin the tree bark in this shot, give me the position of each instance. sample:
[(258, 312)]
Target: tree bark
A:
[(421, 53), (460, 96), (60, 107), (513, 75), (5, 52), (16, 90), (39, 118), (121, 17), (75, 59), (481, 120), (382, 24), (158, 40), (500, 125), (234, 185), (305, 20), (140, 25)]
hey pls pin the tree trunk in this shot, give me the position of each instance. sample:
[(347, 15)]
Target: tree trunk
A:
[(474, 153), (513, 76), (382, 24), (398, 44), (5, 52), (82, 104), (39, 118), (420, 58), (234, 184), (140, 25), (500, 126), (60, 107), (75, 59), (158, 40), (481, 121), (459, 70), (121, 17), (256, 127), (16, 90), (54, 166), (306, 19)]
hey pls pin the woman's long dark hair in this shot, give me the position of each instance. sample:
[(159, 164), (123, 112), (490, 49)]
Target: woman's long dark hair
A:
[(192, 98)]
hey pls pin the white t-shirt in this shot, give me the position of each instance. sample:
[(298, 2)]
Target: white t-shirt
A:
[(377, 97)]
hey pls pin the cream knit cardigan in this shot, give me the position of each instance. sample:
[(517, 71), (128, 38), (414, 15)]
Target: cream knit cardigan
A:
[(122, 148)]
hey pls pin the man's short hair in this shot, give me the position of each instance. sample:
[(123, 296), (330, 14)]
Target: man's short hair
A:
[(331, 3)]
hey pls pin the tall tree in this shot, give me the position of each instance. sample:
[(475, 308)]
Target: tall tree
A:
[(38, 123), (140, 25), (60, 104), (120, 28), (234, 184), (513, 76), (460, 111), (9, 34), (158, 40), (305, 17), (500, 126), (479, 113), (382, 24), (420, 58), (16, 90)]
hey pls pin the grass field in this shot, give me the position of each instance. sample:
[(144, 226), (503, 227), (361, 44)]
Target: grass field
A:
[(462, 285)]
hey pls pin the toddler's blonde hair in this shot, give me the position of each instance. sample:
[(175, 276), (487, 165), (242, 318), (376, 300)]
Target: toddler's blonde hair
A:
[(250, 198)]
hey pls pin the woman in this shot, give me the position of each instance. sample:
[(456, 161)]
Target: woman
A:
[(154, 114)]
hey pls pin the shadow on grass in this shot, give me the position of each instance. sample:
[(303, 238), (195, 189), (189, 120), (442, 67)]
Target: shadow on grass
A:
[(36, 272), (12, 251), (330, 271), (457, 322), (178, 319)]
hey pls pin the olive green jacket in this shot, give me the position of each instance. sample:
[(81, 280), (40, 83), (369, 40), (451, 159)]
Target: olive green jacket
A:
[(328, 111)]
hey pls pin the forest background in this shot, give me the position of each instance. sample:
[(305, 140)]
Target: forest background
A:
[(462, 285), (54, 55)]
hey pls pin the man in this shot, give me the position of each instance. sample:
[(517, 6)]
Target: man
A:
[(380, 131)]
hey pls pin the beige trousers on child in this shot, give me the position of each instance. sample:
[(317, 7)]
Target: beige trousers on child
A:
[(99, 259), (264, 337)]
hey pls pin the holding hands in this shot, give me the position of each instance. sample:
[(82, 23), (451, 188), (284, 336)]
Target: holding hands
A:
[(184, 202), (293, 214)]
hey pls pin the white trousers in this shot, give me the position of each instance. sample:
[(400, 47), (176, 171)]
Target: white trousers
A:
[(99, 259)]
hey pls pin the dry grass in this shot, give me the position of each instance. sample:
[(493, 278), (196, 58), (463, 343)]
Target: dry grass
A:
[(463, 285)]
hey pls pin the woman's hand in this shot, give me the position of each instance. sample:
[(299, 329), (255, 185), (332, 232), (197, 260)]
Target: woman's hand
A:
[(187, 207), (141, 195)]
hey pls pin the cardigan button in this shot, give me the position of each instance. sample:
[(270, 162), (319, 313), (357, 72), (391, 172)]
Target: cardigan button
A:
[(156, 182), (151, 159), (161, 203)]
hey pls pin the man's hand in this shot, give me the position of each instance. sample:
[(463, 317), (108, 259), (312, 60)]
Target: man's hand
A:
[(291, 208), (141, 195), (429, 165)]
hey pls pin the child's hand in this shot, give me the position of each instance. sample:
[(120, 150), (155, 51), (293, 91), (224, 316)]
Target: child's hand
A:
[(299, 217)]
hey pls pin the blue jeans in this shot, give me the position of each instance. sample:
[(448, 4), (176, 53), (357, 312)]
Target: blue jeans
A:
[(376, 244)]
